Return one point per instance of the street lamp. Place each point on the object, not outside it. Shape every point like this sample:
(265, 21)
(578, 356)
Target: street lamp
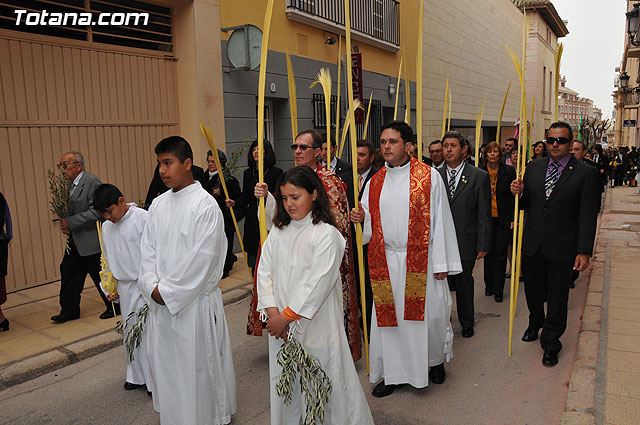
(624, 80)
(632, 24)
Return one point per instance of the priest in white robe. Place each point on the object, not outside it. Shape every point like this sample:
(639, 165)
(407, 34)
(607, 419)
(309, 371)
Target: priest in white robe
(183, 252)
(411, 329)
(121, 245)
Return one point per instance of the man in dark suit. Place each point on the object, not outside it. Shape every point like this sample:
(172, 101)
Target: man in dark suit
(365, 171)
(470, 201)
(561, 196)
(82, 255)
(340, 167)
(602, 163)
(214, 187)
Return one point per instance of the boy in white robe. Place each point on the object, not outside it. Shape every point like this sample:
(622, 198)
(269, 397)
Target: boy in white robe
(299, 281)
(121, 235)
(183, 251)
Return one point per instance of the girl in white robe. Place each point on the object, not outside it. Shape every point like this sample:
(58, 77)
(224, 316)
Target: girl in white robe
(299, 281)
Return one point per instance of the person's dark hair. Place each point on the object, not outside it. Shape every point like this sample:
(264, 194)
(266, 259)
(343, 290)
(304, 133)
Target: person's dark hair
(269, 155)
(584, 146)
(598, 148)
(221, 156)
(512, 139)
(324, 140)
(175, 145)
(566, 126)
(405, 130)
(105, 196)
(544, 148)
(435, 142)
(305, 178)
(455, 135)
(495, 145)
(315, 136)
(366, 144)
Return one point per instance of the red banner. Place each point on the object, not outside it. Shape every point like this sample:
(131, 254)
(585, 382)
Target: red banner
(358, 90)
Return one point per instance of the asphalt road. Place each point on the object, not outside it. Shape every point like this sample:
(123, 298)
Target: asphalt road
(483, 385)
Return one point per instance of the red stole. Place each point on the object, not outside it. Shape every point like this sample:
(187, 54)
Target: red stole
(417, 248)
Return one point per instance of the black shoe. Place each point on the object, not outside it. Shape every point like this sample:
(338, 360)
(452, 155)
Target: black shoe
(467, 332)
(550, 358)
(129, 386)
(572, 285)
(488, 292)
(61, 318)
(224, 274)
(437, 374)
(499, 298)
(382, 390)
(530, 335)
(4, 326)
(108, 314)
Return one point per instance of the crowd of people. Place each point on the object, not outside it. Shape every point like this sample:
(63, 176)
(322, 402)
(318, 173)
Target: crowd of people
(426, 222)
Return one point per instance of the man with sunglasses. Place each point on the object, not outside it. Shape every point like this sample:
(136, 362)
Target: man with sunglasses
(82, 256)
(561, 196)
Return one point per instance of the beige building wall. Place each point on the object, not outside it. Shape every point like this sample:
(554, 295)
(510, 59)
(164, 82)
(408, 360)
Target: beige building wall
(466, 40)
(542, 45)
(198, 50)
(113, 104)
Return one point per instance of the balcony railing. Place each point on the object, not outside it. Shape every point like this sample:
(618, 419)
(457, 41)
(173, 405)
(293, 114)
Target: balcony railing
(377, 19)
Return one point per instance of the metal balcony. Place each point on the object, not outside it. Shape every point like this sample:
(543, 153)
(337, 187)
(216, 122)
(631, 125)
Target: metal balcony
(375, 22)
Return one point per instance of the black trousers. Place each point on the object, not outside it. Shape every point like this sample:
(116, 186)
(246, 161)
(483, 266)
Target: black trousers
(73, 270)
(230, 257)
(463, 283)
(551, 277)
(495, 262)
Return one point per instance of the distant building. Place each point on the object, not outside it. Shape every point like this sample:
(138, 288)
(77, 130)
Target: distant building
(572, 107)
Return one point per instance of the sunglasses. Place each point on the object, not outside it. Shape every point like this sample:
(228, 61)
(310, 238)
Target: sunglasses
(560, 140)
(301, 147)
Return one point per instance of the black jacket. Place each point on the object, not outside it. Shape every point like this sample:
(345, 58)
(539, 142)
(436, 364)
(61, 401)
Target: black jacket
(471, 211)
(565, 224)
(249, 203)
(233, 186)
(504, 197)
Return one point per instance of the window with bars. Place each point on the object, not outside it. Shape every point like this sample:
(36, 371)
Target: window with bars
(154, 34)
(319, 114)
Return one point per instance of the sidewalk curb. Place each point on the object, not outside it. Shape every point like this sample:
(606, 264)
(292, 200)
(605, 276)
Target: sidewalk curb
(583, 406)
(31, 367)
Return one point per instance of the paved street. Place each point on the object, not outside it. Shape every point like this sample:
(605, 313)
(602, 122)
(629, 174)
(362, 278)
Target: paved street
(483, 385)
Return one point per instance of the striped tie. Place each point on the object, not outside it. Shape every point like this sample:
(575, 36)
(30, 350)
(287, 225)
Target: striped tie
(452, 183)
(552, 179)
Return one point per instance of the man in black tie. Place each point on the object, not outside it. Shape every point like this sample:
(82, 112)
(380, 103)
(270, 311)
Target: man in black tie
(469, 193)
(365, 171)
(561, 196)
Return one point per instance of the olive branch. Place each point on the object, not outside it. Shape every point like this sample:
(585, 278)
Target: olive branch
(316, 385)
(133, 335)
(59, 187)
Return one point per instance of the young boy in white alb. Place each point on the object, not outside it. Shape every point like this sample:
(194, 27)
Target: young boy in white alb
(121, 235)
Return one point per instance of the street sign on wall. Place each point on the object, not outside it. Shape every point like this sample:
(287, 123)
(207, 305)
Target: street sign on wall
(629, 123)
(358, 90)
